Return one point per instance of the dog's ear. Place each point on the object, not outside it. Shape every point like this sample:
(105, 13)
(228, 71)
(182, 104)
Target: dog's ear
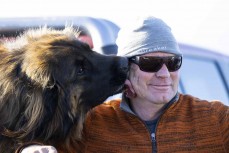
(40, 66)
(38, 73)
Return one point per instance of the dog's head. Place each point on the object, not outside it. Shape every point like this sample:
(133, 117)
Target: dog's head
(53, 79)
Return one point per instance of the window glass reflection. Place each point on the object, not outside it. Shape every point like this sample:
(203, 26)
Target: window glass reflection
(202, 79)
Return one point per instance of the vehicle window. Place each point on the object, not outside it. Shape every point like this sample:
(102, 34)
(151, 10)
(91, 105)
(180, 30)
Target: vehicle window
(202, 79)
(225, 69)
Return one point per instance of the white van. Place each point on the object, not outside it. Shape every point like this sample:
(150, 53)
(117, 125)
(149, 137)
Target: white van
(204, 74)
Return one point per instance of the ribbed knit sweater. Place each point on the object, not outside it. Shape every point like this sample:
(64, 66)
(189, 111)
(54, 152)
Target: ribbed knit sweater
(188, 125)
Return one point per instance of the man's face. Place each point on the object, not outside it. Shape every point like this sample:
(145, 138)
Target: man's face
(156, 87)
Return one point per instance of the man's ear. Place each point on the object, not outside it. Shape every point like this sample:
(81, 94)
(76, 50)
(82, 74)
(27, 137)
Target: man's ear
(129, 91)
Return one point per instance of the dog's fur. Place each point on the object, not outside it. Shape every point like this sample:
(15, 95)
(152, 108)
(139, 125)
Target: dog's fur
(49, 80)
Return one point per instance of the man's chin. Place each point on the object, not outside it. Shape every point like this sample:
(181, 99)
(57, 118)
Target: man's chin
(162, 98)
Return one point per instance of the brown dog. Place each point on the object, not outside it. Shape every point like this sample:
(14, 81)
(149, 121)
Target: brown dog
(49, 80)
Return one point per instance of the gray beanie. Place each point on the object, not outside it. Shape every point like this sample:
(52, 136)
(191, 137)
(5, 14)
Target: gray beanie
(148, 34)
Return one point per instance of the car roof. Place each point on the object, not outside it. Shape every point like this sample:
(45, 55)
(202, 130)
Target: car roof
(102, 32)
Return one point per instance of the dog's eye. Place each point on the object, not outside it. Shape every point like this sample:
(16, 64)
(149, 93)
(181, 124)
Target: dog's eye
(80, 71)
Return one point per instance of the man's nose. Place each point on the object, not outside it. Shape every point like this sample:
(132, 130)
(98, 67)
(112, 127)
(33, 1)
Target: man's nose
(163, 72)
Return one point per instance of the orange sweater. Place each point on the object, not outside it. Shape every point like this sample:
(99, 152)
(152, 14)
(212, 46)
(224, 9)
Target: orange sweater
(188, 125)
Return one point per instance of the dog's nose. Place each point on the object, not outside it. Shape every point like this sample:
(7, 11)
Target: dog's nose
(123, 64)
(120, 70)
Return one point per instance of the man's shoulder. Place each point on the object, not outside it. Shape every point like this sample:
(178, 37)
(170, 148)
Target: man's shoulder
(104, 112)
(108, 106)
(201, 103)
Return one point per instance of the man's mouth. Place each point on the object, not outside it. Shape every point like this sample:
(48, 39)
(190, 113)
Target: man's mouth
(161, 87)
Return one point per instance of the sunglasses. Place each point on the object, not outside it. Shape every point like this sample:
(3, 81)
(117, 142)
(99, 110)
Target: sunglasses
(154, 64)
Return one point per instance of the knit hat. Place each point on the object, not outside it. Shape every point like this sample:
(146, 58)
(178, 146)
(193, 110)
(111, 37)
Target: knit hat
(148, 34)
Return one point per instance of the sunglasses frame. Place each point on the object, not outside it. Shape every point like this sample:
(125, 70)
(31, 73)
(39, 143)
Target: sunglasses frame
(163, 59)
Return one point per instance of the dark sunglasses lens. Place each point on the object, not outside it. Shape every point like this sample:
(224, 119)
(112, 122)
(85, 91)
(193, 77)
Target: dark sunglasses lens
(174, 63)
(154, 64)
(150, 64)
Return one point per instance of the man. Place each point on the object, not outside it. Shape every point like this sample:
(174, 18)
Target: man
(152, 116)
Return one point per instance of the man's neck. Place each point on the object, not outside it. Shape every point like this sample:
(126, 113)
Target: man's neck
(147, 111)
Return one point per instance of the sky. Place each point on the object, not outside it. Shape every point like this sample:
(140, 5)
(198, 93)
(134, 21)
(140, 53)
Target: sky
(202, 23)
